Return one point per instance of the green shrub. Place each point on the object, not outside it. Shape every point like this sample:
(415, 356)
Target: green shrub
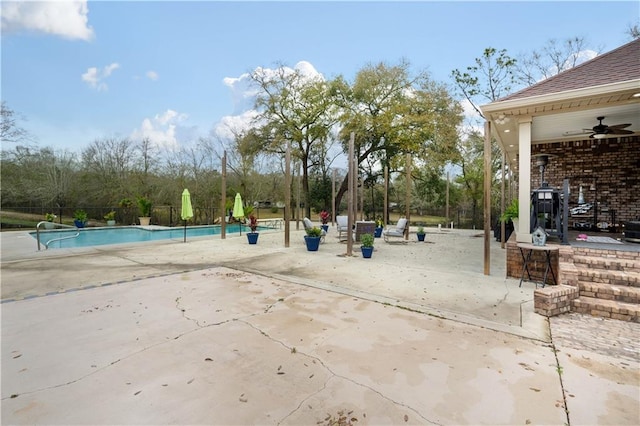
(511, 212)
(367, 240)
(80, 216)
(144, 206)
(314, 232)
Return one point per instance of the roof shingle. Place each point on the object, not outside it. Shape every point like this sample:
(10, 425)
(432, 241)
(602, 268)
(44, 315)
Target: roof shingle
(618, 65)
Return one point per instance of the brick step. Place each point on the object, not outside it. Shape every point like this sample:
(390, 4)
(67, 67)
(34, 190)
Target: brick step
(610, 254)
(627, 294)
(568, 274)
(606, 308)
(614, 277)
(609, 263)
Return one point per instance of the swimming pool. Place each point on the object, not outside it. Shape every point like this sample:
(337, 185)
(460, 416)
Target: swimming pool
(126, 234)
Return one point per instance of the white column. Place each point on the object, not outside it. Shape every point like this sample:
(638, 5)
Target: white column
(524, 180)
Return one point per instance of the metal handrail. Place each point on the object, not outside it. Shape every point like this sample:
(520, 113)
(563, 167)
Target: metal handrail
(60, 225)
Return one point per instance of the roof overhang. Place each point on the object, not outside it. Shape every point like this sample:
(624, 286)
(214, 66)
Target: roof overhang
(564, 115)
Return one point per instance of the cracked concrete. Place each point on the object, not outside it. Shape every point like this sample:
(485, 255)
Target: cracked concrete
(184, 341)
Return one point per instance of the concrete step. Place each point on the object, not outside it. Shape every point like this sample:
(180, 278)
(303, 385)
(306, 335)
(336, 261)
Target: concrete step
(606, 308)
(609, 263)
(627, 294)
(614, 277)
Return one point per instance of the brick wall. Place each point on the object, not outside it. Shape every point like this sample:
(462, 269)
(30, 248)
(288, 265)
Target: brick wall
(613, 165)
(537, 263)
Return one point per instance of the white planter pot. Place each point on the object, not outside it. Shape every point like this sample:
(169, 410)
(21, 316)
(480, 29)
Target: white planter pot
(515, 225)
(111, 223)
(49, 225)
(144, 221)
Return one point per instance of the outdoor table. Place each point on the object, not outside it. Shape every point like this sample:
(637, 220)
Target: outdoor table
(275, 223)
(530, 248)
(364, 227)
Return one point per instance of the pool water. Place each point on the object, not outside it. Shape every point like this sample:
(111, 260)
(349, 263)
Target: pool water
(127, 234)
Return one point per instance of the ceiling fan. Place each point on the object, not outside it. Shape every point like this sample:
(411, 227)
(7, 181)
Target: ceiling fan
(602, 130)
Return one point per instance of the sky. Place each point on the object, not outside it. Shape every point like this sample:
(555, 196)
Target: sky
(174, 71)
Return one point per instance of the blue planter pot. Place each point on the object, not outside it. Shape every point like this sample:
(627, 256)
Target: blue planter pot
(366, 252)
(78, 223)
(421, 237)
(378, 232)
(313, 243)
(252, 237)
(325, 227)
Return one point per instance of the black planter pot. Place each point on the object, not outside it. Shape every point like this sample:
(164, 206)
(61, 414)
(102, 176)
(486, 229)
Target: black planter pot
(420, 237)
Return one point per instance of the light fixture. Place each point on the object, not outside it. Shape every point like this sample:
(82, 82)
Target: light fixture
(502, 119)
(507, 130)
(599, 136)
(636, 95)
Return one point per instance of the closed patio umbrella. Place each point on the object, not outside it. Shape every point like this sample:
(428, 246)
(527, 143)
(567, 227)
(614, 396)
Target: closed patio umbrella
(238, 210)
(187, 210)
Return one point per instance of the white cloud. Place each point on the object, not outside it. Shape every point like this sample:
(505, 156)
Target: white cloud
(230, 125)
(94, 77)
(67, 19)
(162, 130)
(152, 75)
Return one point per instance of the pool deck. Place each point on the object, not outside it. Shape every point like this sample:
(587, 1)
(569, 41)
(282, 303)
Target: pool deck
(218, 331)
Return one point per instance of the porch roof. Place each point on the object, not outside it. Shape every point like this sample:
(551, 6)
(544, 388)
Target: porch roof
(563, 106)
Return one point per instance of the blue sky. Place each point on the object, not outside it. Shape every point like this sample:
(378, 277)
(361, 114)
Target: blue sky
(173, 71)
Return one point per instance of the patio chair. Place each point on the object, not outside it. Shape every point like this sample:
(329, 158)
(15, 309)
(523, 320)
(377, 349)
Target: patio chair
(308, 225)
(342, 224)
(397, 231)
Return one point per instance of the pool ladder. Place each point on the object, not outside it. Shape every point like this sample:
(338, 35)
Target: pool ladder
(57, 225)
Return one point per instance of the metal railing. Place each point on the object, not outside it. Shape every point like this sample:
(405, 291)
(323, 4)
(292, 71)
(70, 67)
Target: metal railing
(55, 225)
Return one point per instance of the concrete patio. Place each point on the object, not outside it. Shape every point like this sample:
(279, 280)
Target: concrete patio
(221, 332)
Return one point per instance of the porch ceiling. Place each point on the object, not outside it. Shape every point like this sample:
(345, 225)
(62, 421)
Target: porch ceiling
(563, 116)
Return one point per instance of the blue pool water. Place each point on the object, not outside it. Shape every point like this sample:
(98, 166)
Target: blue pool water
(127, 234)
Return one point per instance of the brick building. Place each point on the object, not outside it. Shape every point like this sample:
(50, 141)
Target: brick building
(586, 123)
(549, 117)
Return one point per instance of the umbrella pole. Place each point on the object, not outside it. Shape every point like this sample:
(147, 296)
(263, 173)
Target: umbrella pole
(185, 231)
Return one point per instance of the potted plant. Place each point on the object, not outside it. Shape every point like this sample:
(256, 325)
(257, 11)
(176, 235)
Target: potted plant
(366, 247)
(110, 218)
(420, 233)
(49, 217)
(379, 228)
(511, 214)
(252, 236)
(144, 207)
(80, 218)
(312, 239)
(126, 210)
(324, 218)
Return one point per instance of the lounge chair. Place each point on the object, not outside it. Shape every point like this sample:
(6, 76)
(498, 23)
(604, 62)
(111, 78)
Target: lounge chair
(308, 225)
(342, 224)
(397, 231)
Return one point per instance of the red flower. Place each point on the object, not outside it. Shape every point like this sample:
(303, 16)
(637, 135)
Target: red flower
(324, 216)
(253, 223)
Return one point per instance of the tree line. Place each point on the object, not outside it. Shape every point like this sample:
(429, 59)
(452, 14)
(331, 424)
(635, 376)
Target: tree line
(392, 111)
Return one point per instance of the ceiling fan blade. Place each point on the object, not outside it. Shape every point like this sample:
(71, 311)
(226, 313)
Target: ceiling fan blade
(620, 131)
(577, 132)
(619, 126)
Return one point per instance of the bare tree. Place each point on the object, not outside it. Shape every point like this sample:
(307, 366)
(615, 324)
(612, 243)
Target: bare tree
(554, 57)
(492, 77)
(10, 130)
(633, 31)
